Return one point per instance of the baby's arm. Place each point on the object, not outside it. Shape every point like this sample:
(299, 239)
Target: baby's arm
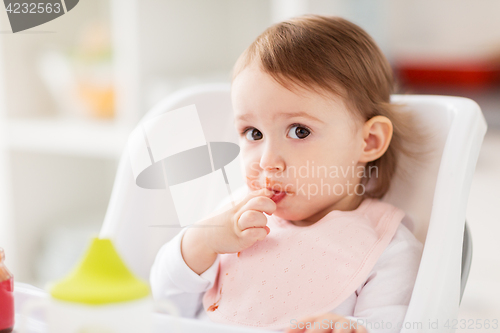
(173, 280)
(187, 266)
(387, 292)
(231, 231)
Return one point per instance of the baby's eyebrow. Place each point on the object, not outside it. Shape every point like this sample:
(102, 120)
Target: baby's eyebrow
(285, 114)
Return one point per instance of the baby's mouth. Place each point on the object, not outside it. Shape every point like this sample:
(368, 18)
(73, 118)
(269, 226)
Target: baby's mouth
(278, 196)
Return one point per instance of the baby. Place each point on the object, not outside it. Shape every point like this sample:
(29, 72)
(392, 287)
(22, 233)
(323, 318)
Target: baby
(310, 247)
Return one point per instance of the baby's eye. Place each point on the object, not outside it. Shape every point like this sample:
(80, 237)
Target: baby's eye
(253, 134)
(300, 132)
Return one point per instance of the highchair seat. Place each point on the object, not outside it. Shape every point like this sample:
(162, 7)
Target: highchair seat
(434, 198)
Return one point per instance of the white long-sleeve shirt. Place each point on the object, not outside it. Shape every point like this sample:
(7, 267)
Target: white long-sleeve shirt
(380, 303)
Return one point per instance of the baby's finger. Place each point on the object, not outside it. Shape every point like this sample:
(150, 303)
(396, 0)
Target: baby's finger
(257, 193)
(251, 219)
(342, 324)
(260, 203)
(361, 329)
(251, 235)
(240, 204)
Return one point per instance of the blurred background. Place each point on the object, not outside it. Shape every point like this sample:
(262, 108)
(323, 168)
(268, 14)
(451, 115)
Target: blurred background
(71, 90)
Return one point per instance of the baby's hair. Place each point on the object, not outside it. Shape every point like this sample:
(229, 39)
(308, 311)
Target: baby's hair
(328, 54)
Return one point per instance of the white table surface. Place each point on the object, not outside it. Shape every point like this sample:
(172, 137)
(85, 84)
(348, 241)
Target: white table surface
(162, 323)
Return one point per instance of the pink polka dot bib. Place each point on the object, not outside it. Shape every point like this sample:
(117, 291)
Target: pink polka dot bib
(299, 271)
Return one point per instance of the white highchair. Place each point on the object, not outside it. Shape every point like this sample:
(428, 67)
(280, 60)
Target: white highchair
(435, 198)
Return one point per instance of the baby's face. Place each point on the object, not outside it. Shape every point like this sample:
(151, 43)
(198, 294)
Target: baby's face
(299, 143)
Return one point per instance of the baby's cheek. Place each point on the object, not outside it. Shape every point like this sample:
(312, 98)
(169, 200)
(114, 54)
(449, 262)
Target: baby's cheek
(252, 183)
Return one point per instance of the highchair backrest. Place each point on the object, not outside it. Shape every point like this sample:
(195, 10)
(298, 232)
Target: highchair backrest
(434, 197)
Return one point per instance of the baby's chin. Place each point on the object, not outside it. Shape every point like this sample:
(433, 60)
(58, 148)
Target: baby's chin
(294, 219)
(289, 215)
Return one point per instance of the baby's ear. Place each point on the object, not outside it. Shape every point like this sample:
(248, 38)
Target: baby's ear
(377, 135)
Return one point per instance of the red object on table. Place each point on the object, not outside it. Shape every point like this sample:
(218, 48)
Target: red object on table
(6, 297)
(465, 73)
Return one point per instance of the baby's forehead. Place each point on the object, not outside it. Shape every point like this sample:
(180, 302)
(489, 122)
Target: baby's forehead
(303, 103)
(324, 116)
(258, 94)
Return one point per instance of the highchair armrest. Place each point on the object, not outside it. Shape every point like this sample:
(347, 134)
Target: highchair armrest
(466, 259)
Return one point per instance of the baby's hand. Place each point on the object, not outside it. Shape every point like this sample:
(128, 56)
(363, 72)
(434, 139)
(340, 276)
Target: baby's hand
(327, 323)
(241, 226)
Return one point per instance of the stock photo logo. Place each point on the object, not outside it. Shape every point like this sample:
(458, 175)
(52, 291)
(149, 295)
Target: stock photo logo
(170, 152)
(26, 14)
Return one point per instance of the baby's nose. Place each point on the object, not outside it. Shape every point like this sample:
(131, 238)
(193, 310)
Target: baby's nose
(272, 164)
(271, 159)
(275, 168)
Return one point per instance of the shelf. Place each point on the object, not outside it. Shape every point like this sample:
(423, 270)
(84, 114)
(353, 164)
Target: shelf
(55, 167)
(91, 138)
